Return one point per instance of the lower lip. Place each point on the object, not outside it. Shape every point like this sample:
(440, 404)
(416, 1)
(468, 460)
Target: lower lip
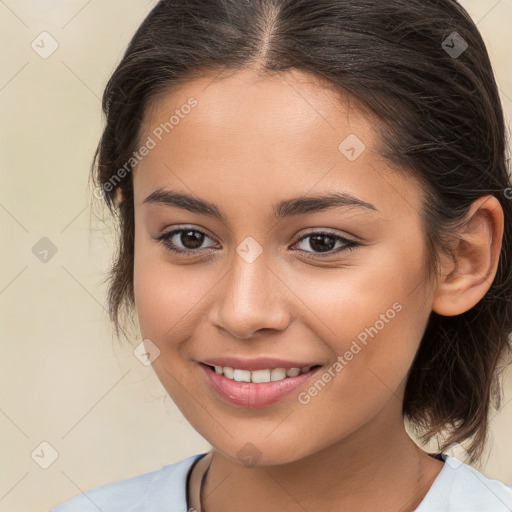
(250, 394)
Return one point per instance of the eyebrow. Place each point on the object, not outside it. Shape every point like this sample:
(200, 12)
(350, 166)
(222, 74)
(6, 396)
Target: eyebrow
(287, 208)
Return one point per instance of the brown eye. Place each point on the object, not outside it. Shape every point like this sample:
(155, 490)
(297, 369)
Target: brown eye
(191, 239)
(184, 240)
(321, 242)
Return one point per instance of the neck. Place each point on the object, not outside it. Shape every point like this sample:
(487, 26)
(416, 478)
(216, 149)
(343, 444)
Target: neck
(378, 467)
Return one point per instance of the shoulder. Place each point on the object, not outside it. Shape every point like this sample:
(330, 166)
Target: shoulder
(161, 489)
(462, 488)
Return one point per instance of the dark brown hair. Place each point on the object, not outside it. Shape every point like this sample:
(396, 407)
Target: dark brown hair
(441, 122)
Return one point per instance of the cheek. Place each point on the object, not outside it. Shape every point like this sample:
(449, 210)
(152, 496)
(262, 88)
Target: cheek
(372, 315)
(372, 355)
(167, 297)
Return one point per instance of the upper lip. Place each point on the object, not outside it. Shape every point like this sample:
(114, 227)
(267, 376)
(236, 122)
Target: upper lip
(260, 363)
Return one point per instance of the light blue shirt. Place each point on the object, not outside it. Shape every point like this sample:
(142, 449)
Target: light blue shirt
(457, 488)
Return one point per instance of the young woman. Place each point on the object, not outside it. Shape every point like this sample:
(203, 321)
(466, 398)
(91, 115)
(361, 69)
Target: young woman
(315, 217)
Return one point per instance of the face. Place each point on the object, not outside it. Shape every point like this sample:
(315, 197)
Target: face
(299, 247)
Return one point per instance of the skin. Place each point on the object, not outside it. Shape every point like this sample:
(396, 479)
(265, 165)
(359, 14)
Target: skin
(255, 139)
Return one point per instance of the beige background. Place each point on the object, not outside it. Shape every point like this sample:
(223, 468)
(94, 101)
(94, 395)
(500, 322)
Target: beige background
(65, 380)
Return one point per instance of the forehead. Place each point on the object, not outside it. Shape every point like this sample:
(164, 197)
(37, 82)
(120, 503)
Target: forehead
(288, 105)
(260, 135)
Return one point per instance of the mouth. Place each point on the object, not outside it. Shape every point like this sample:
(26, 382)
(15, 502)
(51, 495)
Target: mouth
(260, 376)
(256, 388)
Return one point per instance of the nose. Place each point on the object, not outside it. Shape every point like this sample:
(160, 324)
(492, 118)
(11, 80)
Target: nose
(251, 300)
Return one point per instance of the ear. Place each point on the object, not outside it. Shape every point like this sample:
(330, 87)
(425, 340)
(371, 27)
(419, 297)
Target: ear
(118, 197)
(469, 272)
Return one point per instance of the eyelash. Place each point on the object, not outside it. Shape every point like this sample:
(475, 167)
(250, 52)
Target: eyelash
(349, 245)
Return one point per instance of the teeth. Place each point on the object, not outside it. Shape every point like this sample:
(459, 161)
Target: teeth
(228, 372)
(292, 372)
(259, 376)
(242, 375)
(278, 374)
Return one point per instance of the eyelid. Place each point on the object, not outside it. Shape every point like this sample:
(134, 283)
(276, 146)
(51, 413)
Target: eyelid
(185, 227)
(326, 231)
(178, 229)
(348, 243)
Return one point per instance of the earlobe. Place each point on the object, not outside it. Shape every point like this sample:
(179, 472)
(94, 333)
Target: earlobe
(118, 197)
(470, 270)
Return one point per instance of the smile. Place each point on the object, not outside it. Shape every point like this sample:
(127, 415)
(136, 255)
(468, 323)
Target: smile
(255, 388)
(259, 376)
